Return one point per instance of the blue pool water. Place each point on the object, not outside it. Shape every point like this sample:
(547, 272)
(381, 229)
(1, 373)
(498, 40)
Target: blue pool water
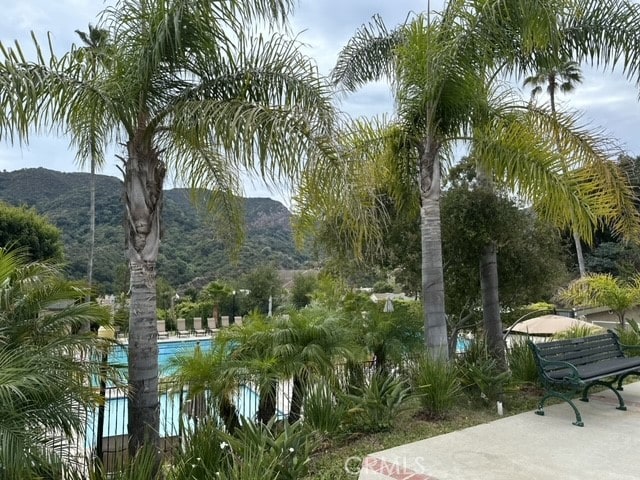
(166, 351)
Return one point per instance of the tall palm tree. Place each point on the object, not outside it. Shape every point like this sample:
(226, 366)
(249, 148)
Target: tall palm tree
(185, 90)
(562, 78)
(95, 41)
(44, 367)
(443, 72)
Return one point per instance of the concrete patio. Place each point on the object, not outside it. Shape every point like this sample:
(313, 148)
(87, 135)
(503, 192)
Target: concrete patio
(527, 446)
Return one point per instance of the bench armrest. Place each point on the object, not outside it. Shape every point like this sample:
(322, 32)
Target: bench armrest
(574, 375)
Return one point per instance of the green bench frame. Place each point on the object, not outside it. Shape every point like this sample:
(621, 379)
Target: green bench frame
(568, 367)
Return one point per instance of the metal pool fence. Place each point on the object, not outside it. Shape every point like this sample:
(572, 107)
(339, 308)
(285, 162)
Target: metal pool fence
(179, 413)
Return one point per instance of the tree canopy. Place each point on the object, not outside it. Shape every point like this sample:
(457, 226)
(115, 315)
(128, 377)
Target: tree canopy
(22, 227)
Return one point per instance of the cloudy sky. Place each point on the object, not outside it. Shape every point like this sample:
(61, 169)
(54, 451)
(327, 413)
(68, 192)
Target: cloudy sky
(607, 100)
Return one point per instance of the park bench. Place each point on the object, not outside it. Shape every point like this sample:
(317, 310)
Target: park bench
(578, 364)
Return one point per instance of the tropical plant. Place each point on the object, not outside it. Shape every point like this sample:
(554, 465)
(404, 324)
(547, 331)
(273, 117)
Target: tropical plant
(185, 89)
(206, 375)
(215, 292)
(521, 363)
(94, 53)
(482, 377)
(578, 331)
(323, 410)
(563, 78)
(630, 336)
(603, 290)
(307, 345)
(374, 406)
(436, 384)
(45, 367)
(446, 74)
(254, 451)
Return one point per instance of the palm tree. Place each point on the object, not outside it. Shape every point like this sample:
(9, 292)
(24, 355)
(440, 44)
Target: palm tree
(44, 367)
(95, 41)
(562, 78)
(252, 360)
(603, 290)
(444, 74)
(215, 292)
(185, 90)
(306, 345)
(206, 375)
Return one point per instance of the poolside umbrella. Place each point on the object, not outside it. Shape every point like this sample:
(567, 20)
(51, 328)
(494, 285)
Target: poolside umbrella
(548, 325)
(388, 306)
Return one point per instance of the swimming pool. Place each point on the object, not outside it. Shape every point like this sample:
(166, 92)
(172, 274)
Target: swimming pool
(173, 399)
(167, 349)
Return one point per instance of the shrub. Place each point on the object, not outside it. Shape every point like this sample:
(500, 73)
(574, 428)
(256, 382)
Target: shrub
(521, 362)
(630, 336)
(322, 410)
(480, 374)
(254, 451)
(578, 331)
(375, 406)
(436, 384)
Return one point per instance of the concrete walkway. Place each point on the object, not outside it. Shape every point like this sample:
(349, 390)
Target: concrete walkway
(527, 446)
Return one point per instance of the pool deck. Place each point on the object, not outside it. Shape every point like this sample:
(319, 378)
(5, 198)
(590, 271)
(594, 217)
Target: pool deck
(173, 337)
(526, 447)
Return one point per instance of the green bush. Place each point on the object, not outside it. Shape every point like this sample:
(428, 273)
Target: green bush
(480, 374)
(375, 406)
(521, 362)
(436, 384)
(254, 451)
(630, 336)
(578, 331)
(323, 412)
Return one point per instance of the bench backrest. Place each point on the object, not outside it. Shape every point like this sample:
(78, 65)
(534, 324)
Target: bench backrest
(579, 351)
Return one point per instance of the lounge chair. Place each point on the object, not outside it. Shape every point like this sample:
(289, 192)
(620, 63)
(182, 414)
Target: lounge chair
(211, 325)
(238, 321)
(162, 332)
(182, 327)
(197, 326)
(224, 321)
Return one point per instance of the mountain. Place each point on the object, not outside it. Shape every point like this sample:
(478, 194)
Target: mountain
(191, 244)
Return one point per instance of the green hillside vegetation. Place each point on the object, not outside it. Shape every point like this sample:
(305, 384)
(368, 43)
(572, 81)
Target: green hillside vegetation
(192, 245)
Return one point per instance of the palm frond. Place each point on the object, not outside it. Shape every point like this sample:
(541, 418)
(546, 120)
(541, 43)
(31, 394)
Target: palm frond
(368, 56)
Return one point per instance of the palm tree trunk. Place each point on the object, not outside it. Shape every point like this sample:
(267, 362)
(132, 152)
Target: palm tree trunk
(229, 414)
(579, 254)
(86, 326)
(491, 304)
(144, 175)
(297, 397)
(435, 320)
(267, 402)
(576, 237)
(92, 222)
(144, 419)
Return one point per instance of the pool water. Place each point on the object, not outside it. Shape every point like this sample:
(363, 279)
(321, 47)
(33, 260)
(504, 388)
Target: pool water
(166, 350)
(174, 415)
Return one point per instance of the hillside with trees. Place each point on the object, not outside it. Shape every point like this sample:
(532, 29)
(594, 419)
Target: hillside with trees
(192, 247)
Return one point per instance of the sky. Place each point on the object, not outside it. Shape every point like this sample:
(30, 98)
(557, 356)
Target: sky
(607, 101)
